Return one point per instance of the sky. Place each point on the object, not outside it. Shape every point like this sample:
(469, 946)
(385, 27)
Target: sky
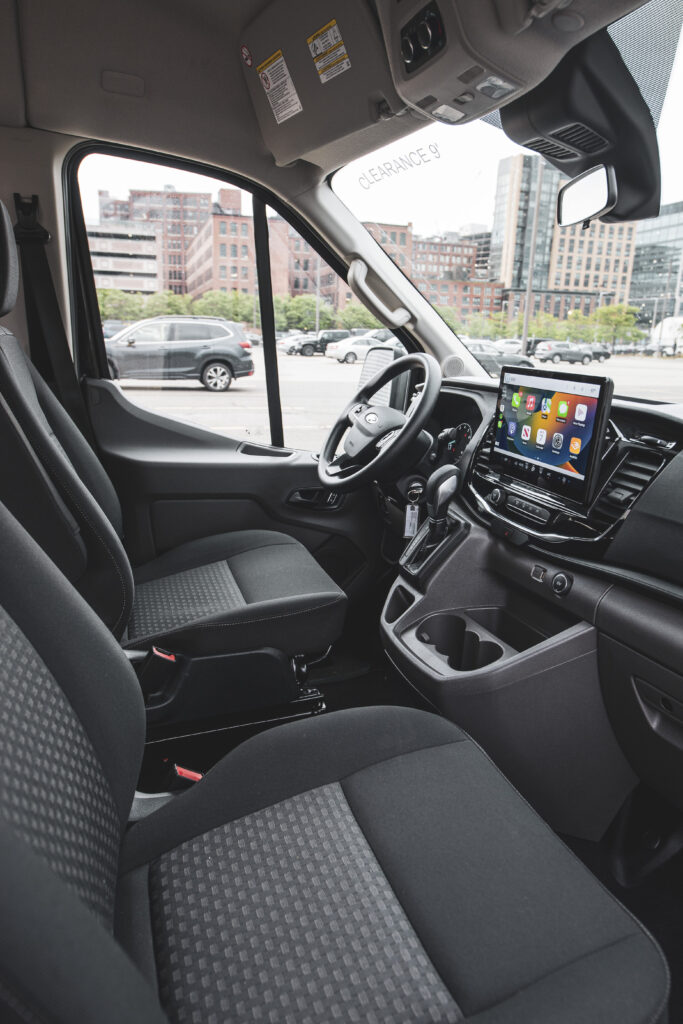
(442, 177)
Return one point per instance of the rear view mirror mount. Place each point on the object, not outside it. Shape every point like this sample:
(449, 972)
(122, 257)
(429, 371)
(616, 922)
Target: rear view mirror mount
(588, 196)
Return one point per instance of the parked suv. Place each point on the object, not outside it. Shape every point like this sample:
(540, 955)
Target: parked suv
(563, 352)
(309, 346)
(204, 348)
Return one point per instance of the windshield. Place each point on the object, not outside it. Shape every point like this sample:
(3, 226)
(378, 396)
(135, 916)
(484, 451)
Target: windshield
(470, 218)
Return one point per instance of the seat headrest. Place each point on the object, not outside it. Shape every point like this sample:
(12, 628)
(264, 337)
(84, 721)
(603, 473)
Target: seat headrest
(9, 263)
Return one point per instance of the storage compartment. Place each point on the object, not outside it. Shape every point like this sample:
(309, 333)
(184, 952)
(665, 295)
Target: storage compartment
(507, 627)
(463, 649)
(399, 602)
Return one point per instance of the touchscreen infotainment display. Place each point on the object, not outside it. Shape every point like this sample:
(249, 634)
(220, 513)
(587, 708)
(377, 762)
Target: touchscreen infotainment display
(549, 429)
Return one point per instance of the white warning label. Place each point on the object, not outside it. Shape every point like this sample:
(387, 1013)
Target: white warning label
(279, 87)
(328, 51)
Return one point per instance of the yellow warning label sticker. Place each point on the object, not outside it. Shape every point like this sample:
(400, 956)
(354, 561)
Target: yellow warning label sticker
(328, 51)
(279, 88)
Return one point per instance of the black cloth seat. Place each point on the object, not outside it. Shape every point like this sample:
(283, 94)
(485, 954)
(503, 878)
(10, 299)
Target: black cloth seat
(232, 592)
(372, 865)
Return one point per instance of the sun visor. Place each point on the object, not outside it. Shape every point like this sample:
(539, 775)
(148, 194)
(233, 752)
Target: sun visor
(317, 73)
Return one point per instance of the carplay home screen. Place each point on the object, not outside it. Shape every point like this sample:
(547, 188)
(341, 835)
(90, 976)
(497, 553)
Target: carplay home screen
(549, 425)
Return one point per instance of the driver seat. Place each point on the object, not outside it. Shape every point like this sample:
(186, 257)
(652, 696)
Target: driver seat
(231, 592)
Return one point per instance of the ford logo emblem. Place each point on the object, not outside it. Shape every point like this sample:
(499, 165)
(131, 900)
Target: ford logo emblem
(371, 417)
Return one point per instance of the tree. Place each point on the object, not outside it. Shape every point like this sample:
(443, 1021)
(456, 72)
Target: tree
(544, 325)
(116, 305)
(301, 314)
(577, 326)
(356, 315)
(448, 315)
(615, 323)
(280, 303)
(215, 303)
(166, 304)
(499, 326)
(478, 326)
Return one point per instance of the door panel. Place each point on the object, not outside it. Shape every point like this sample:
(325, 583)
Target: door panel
(177, 482)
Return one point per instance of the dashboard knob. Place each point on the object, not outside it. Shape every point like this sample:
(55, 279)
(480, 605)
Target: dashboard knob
(561, 583)
(424, 33)
(407, 50)
(497, 497)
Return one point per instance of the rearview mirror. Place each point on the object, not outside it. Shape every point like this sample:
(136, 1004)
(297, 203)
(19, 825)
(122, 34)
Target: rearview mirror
(588, 196)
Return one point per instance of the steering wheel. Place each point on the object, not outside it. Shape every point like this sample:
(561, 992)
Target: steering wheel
(377, 434)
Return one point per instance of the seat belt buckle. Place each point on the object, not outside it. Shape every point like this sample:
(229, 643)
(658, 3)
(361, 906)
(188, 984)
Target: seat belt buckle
(180, 778)
(158, 672)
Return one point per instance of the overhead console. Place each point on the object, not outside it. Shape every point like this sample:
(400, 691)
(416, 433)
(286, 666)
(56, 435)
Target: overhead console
(457, 60)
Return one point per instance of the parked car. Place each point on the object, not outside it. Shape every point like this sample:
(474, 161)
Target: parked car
(112, 327)
(600, 352)
(509, 346)
(563, 352)
(352, 349)
(317, 344)
(488, 354)
(204, 348)
(288, 342)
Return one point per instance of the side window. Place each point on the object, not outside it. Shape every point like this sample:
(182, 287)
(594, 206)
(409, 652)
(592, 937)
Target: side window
(161, 251)
(314, 311)
(174, 264)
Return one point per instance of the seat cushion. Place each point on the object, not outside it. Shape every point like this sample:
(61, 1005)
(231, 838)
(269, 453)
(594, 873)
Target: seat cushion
(390, 873)
(236, 592)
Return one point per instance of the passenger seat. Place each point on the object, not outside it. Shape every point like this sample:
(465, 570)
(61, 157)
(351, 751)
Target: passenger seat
(370, 865)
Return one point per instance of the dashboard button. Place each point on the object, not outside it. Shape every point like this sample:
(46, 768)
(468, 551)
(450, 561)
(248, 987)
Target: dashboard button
(497, 497)
(538, 573)
(561, 583)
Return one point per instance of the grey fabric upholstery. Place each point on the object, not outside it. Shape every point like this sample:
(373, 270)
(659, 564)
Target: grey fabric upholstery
(186, 599)
(237, 591)
(289, 877)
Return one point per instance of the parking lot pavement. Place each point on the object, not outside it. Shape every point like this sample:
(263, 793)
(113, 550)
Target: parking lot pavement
(315, 390)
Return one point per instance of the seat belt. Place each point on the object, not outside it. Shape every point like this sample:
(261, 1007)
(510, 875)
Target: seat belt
(48, 343)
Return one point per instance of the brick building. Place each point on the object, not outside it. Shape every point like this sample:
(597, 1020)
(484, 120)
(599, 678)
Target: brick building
(178, 217)
(221, 256)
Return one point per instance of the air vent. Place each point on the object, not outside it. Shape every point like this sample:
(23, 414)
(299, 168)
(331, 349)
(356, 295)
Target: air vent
(551, 149)
(623, 488)
(482, 460)
(580, 137)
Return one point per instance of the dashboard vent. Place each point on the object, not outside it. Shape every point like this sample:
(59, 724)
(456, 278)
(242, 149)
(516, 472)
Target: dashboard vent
(581, 138)
(632, 477)
(482, 460)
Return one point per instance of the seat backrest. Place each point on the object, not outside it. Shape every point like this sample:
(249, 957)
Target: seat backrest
(74, 470)
(71, 739)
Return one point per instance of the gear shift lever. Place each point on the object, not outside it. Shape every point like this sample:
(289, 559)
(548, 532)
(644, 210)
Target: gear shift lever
(442, 487)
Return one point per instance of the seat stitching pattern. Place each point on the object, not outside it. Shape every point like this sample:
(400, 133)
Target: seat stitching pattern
(286, 914)
(172, 602)
(243, 622)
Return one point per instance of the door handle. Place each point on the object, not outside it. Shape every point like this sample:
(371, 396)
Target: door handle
(318, 498)
(357, 279)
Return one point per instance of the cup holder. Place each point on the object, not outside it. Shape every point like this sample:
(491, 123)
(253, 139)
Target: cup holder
(463, 649)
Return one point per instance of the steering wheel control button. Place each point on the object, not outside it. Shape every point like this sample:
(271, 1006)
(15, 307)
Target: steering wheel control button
(538, 573)
(561, 584)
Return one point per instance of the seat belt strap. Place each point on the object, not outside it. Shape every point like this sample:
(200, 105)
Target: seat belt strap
(48, 343)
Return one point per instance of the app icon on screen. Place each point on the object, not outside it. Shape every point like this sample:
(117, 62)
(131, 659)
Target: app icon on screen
(575, 445)
(580, 413)
(546, 405)
(512, 428)
(562, 410)
(541, 436)
(558, 440)
(526, 433)
(516, 399)
(530, 403)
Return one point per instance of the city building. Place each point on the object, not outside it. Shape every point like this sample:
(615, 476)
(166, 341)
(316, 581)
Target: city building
(446, 257)
(657, 277)
(125, 256)
(221, 255)
(397, 242)
(178, 216)
(556, 302)
(482, 240)
(513, 217)
(465, 298)
(598, 259)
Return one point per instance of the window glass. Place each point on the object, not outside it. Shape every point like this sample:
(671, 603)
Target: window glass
(154, 237)
(319, 362)
(457, 208)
